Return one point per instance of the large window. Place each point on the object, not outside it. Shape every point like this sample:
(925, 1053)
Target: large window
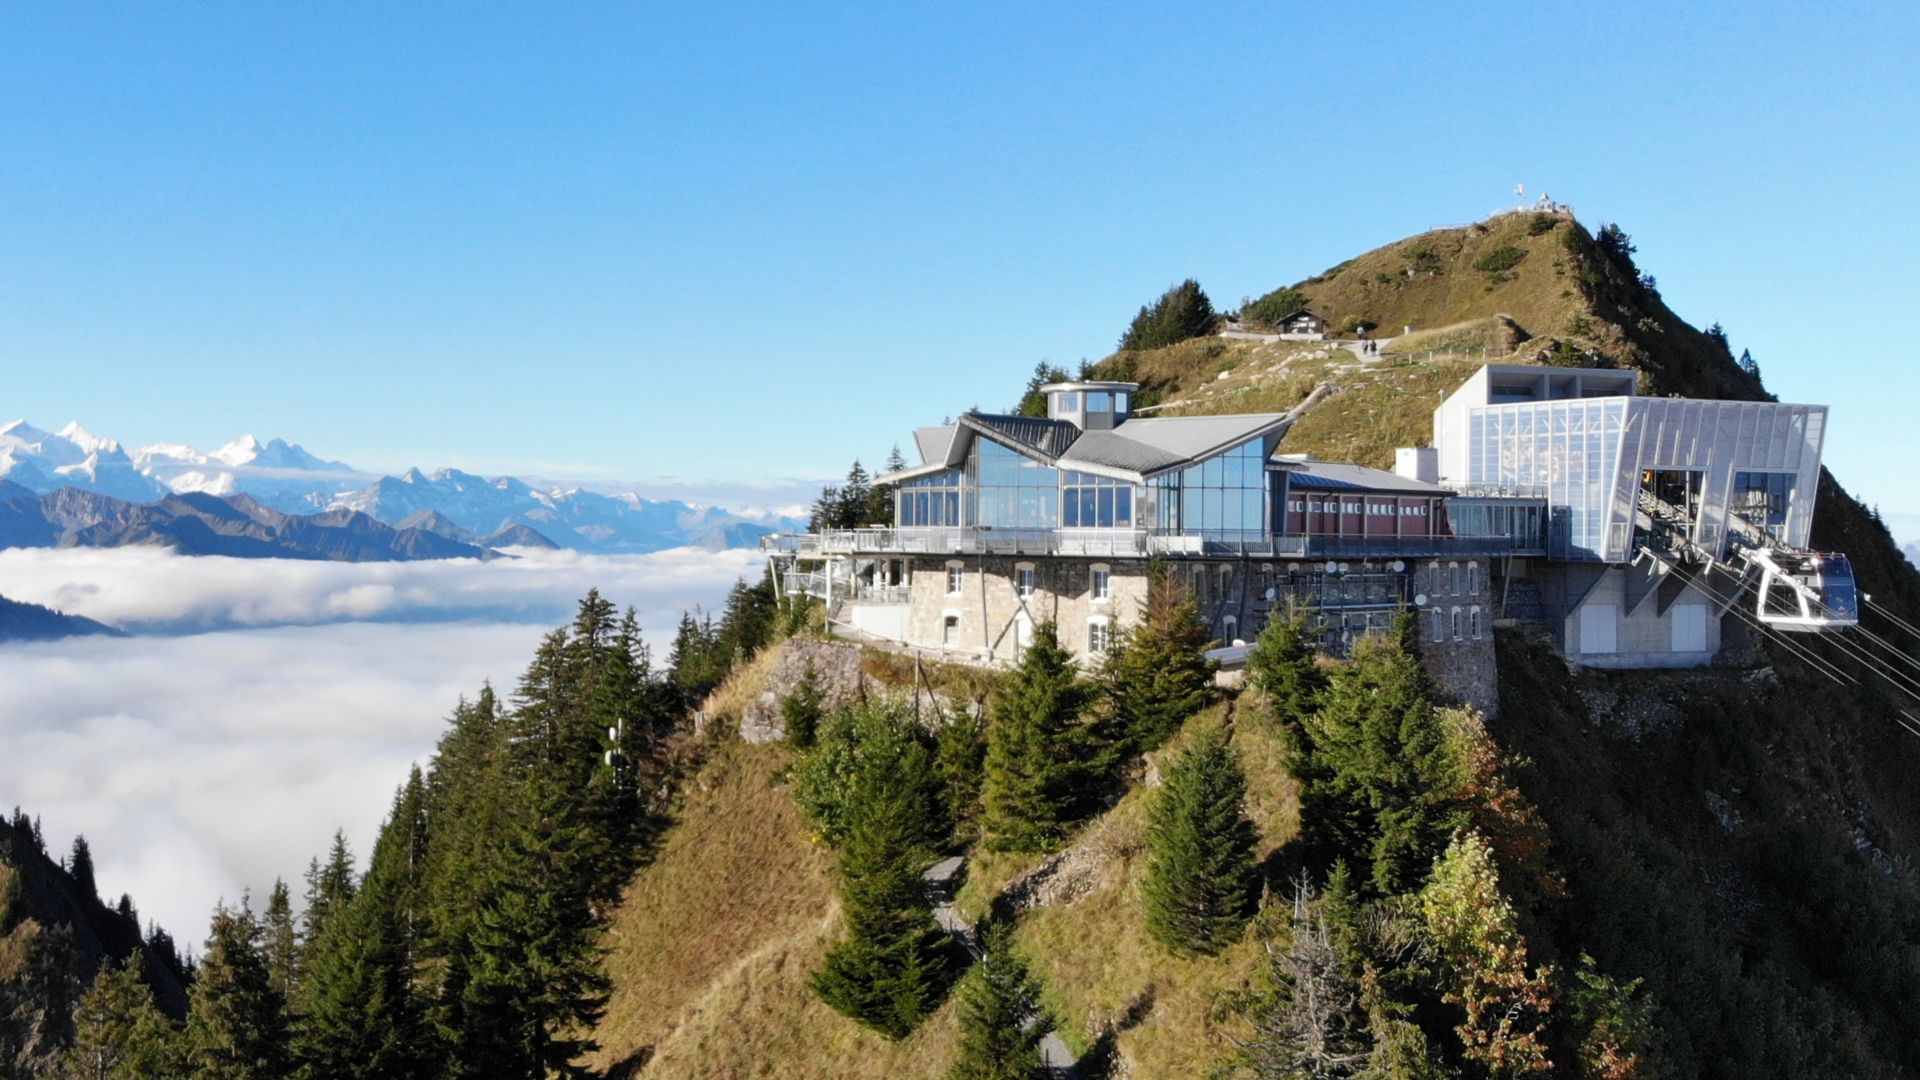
(930, 500)
(1763, 498)
(1095, 502)
(1221, 498)
(1099, 636)
(1007, 490)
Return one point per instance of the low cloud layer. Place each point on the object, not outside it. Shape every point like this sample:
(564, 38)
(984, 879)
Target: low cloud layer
(203, 762)
(155, 591)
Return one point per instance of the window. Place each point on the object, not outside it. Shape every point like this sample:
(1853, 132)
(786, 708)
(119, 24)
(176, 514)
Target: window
(1102, 584)
(1226, 582)
(1023, 580)
(1437, 621)
(1095, 502)
(1473, 577)
(1473, 623)
(950, 631)
(1455, 623)
(1099, 636)
(1099, 401)
(1763, 499)
(1453, 579)
(1230, 629)
(1008, 490)
(956, 578)
(929, 500)
(1069, 402)
(1221, 498)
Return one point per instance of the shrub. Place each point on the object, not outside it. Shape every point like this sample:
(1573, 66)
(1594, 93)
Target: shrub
(1274, 306)
(1499, 259)
(1542, 223)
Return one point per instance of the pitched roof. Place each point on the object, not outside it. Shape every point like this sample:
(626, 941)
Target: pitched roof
(1115, 451)
(1309, 473)
(1191, 437)
(933, 442)
(1049, 438)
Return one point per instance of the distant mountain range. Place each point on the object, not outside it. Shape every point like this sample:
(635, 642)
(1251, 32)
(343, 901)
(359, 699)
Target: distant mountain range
(30, 622)
(258, 480)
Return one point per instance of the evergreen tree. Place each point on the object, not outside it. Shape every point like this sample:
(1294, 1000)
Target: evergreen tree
(1000, 1021)
(1201, 883)
(119, 1032)
(1614, 240)
(80, 868)
(691, 663)
(1379, 777)
(825, 513)
(1033, 403)
(1036, 767)
(960, 758)
(892, 967)
(856, 740)
(280, 941)
(1309, 1026)
(746, 624)
(856, 497)
(1158, 674)
(896, 461)
(531, 985)
(1282, 666)
(329, 887)
(1182, 312)
(361, 1016)
(1748, 364)
(236, 1024)
(802, 710)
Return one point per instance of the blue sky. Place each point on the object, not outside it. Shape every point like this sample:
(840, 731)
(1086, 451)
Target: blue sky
(751, 243)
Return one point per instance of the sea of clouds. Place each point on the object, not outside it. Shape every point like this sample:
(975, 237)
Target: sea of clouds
(257, 705)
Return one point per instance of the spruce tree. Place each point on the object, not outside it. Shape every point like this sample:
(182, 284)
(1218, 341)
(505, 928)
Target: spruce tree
(361, 1016)
(960, 758)
(1036, 767)
(280, 941)
(1201, 883)
(236, 1023)
(1000, 1020)
(329, 887)
(119, 1032)
(80, 868)
(802, 710)
(1158, 674)
(1381, 779)
(1281, 665)
(1182, 312)
(891, 969)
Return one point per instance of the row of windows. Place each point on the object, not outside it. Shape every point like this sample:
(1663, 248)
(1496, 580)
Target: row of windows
(1095, 502)
(1447, 580)
(1457, 624)
(1026, 580)
(1377, 509)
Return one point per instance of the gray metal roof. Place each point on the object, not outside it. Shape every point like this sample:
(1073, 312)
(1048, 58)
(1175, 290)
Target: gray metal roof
(1345, 476)
(1048, 437)
(933, 442)
(1190, 437)
(1115, 451)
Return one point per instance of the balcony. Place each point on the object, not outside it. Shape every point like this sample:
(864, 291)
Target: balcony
(1123, 543)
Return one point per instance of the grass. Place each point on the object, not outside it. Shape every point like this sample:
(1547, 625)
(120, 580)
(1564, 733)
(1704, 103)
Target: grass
(714, 942)
(1377, 411)
(1099, 969)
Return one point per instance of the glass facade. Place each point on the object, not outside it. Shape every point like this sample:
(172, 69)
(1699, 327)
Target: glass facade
(930, 500)
(1008, 490)
(1224, 497)
(1567, 451)
(1762, 498)
(1095, 502)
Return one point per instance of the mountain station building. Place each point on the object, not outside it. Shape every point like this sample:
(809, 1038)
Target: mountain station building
(1550, 495)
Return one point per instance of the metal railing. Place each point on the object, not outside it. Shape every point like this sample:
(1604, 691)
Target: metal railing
(1124, 543)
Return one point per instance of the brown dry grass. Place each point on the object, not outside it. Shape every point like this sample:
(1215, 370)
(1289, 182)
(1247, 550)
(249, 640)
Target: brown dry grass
(715, 940)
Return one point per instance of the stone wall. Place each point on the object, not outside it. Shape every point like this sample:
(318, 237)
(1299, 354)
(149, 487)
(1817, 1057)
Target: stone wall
(837, 667)
(990, 613)
(1455, 630)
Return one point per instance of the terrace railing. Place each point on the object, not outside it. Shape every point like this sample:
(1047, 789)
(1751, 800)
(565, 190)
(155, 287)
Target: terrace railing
(1123, 543)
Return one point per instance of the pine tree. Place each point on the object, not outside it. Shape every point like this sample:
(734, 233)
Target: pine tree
(119, 1032)
(1000, 1021)
(1281, 665)
(531, 986)
(892, 967)
(1033, 403)
(1036, 768)
(236, 1024)
(1201, 882)
(1158, 674)
(280, 941)
(329, 887)
(361, 1017)
(1380, 779)
(960, 758)
(80, 868)
(1182, 312)
(802, 710)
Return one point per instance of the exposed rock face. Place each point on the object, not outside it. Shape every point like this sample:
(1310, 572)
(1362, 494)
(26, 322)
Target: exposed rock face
(837, 667)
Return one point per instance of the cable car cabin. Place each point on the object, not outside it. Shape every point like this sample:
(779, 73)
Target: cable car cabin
(1806, 592)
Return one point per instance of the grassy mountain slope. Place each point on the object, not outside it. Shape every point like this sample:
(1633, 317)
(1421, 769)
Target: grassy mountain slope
(716, 939)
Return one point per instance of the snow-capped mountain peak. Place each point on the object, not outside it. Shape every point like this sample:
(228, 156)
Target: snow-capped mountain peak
(88, 441)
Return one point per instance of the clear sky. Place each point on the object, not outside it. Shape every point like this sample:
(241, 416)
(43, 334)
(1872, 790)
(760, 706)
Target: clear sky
(632, 242)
